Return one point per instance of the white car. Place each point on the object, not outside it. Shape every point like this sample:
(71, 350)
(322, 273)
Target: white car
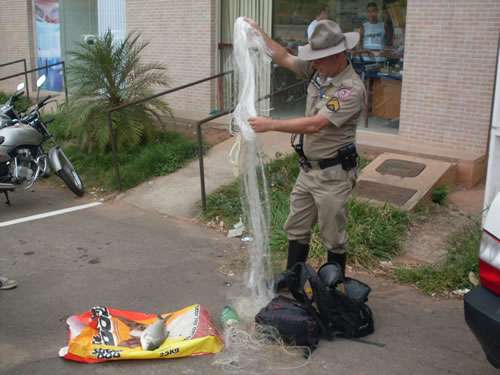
(482, 304)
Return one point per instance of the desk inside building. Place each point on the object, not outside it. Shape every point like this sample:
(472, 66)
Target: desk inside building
(385, 97)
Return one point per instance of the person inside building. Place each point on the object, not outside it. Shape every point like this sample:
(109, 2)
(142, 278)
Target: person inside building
(376, 35)
(324, 139)
(321, 15)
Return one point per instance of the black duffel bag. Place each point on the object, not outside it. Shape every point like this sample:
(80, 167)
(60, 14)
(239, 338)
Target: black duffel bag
(294, 321)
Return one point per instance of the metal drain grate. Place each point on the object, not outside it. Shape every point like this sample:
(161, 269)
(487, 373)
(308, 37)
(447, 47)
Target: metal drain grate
(401, 168)
(395, 195)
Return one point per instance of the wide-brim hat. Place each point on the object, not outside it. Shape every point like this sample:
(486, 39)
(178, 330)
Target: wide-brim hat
(327, 39)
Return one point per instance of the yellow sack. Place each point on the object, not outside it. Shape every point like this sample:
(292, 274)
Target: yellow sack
(106, 334)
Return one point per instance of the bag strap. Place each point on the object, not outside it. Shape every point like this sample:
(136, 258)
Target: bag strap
(299, 147)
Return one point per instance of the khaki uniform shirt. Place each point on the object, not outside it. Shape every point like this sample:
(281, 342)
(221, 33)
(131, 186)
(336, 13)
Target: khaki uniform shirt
(341, 99)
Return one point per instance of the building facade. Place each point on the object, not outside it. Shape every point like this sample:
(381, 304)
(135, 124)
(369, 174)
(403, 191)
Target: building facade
(429, 66)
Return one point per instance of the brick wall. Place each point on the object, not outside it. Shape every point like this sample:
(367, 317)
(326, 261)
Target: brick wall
(16, 39)
(182, 35)
(450, 60)
(450, 57)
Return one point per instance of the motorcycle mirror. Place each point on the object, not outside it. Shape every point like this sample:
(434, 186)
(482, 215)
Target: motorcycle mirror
(41, 81)
(20, 87)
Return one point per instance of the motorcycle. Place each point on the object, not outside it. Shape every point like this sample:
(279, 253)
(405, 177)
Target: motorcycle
(23, 159)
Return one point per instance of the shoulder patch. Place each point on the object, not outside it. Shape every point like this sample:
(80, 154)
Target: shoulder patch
(343, 93)
(333, 105)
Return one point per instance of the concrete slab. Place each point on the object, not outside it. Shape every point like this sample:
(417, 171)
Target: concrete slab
(470, 165)
(178, 194)
(403, 180)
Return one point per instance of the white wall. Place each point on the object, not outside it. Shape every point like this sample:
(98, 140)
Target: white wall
(493, 174)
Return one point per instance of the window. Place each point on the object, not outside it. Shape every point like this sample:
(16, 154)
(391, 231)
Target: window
(378, 58)
(47, 23)
(62, 24)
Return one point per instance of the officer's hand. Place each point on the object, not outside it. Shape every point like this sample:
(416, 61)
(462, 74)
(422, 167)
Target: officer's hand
(261, 124)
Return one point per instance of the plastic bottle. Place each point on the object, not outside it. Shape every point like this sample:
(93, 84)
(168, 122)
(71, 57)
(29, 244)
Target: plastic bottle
(229, 316)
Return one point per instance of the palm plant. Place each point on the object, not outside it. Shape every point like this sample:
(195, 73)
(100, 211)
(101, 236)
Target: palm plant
(104, 75)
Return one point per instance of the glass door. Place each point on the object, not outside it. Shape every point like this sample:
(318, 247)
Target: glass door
(78, 20)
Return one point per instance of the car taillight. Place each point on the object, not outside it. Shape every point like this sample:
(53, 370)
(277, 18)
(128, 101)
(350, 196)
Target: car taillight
(489, 262)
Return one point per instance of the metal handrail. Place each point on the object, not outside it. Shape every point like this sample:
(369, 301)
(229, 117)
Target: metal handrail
(25, 73)
(143, 100)
(12, 62)
(45, 67)
(216, 116)
(198, 124)
(169, 91)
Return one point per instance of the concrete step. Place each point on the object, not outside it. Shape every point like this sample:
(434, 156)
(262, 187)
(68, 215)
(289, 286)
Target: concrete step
(403, 180)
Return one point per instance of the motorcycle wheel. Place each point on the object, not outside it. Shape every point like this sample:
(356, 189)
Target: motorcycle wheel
(70, 177)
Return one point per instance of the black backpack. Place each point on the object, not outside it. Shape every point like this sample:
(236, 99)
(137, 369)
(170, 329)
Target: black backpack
(341, 302)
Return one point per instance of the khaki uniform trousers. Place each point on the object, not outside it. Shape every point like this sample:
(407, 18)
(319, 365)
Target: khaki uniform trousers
(320, 196)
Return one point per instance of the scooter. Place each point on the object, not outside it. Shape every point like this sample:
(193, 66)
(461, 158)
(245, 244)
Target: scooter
(22, 156)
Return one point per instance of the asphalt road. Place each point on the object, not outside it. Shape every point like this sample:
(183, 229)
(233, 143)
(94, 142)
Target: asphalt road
(120, 256)
(43, 197)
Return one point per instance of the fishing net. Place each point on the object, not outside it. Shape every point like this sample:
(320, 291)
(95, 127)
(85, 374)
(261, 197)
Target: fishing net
(258, 349)
(250, 348)
(250, 57)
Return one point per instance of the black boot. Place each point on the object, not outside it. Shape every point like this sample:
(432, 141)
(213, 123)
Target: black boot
(340, 259)
(297, 252)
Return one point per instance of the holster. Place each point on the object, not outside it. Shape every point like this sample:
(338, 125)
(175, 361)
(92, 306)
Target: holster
(299, 149)
(348, 157)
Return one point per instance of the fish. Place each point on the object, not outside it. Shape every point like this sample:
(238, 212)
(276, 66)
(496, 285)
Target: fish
(154, 335)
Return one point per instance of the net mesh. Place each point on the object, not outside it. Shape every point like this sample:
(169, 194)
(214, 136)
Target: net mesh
(250, 348)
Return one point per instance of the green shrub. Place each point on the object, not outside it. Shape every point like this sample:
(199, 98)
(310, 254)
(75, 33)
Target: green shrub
(375, 233)
(225, 203)
(20, 105)
(440, 195)
(59, 127)
(107, 74)
(167, 154)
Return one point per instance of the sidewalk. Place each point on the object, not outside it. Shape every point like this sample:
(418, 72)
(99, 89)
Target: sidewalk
(178, 194)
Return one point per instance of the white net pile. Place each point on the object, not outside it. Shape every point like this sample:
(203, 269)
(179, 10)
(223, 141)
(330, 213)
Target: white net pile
(258, 350)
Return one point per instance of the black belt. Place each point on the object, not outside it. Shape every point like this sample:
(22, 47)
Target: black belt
(326, 163)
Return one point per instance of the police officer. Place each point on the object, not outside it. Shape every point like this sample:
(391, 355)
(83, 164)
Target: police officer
(324, 139)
